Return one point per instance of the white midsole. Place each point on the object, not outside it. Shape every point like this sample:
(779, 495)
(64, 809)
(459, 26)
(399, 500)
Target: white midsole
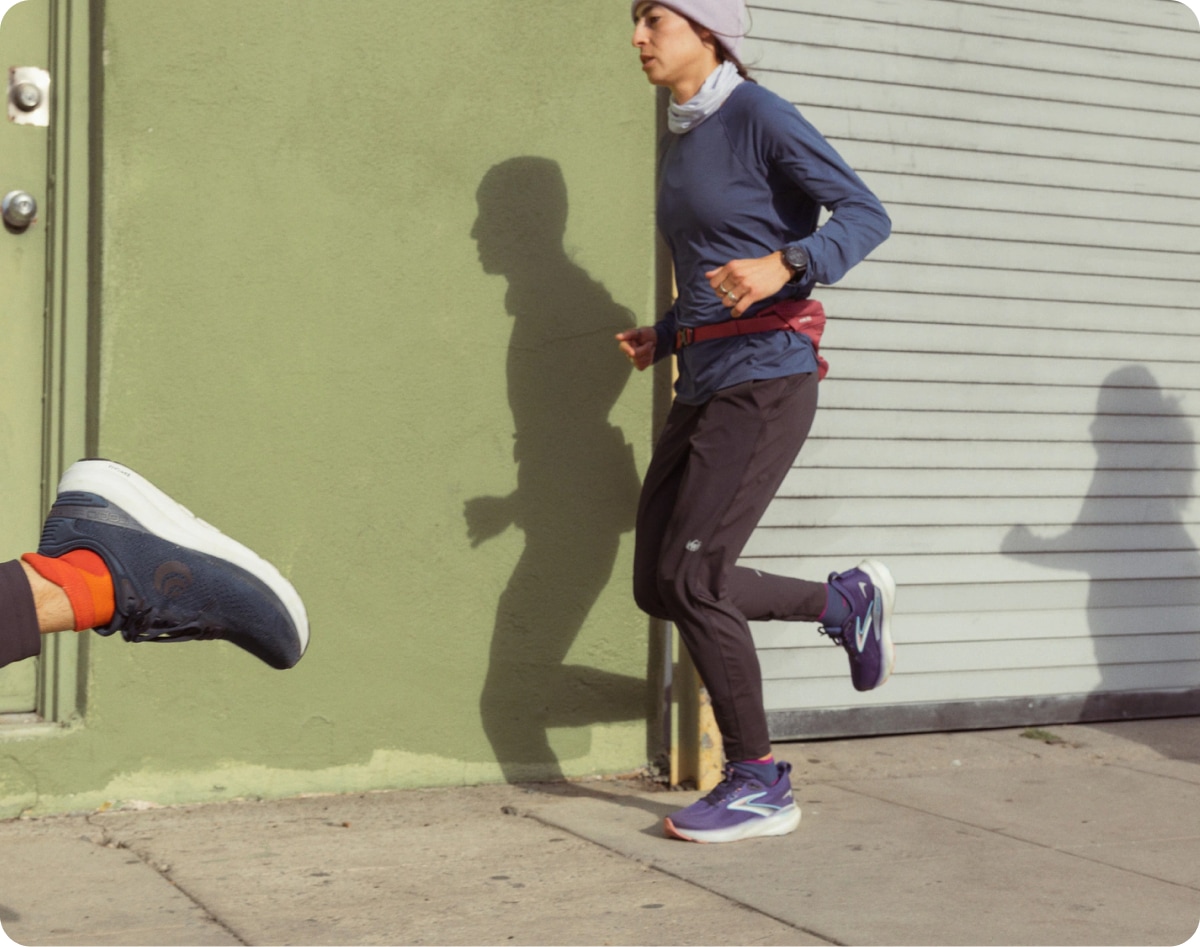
(173, 522)
(782, 822)
(881, 578)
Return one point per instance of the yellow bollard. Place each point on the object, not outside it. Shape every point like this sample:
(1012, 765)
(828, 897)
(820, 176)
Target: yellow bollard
(696, 750)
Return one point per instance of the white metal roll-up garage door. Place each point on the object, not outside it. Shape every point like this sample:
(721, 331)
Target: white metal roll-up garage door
(1024, 350)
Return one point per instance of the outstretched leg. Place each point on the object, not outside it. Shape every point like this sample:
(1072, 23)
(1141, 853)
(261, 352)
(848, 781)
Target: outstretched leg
(118, 554)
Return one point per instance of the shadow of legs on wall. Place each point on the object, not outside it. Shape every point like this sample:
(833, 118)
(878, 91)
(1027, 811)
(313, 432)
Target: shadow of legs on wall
(577, 485)
(1130, 538)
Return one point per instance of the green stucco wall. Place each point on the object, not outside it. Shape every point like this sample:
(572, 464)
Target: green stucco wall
(339, 317)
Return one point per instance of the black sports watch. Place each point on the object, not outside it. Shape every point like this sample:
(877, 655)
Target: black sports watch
(795, 258)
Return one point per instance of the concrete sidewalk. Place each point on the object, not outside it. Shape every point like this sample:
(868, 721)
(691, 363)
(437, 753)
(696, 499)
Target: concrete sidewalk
(976, 838)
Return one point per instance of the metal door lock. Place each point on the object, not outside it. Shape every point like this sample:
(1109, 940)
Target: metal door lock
(29, 96)
(26, 96)
(19, 210)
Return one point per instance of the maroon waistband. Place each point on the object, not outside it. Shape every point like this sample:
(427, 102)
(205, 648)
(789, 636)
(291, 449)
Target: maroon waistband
(806, 316)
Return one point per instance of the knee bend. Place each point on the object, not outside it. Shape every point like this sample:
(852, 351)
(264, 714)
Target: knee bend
(647, 595)
(667, 596)
(674, 594)
(683, 594)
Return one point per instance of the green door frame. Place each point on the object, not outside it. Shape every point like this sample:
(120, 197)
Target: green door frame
(73, 244)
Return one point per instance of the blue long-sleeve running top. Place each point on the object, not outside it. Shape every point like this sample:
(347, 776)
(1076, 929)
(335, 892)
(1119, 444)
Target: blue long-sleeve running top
(748, 181)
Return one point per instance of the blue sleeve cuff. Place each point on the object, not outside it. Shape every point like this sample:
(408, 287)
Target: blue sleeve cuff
(665, 330)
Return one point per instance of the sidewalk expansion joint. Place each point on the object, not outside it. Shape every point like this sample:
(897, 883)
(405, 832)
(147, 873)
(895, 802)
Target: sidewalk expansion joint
(108, 840)
(991, 830)
(653, 866)
(1132, 767)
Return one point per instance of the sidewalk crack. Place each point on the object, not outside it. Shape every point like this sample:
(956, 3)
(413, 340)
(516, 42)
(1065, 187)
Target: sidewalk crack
(653, 866)
(108, 839)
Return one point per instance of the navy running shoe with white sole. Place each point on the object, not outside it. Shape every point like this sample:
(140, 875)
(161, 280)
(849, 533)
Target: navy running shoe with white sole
(866, 634)
(175, 577)
(741, 807)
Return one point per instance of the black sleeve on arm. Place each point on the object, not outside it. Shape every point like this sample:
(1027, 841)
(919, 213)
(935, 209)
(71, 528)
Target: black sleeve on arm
(19, 637)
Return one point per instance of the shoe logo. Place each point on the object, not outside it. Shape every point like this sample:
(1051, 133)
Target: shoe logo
(862, 630)
(862, 589)
(694, 545)
(747, 804)
(110, 515)
(172, 579)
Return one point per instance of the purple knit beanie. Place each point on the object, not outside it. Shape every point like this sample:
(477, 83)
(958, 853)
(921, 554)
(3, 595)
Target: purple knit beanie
(726, 18)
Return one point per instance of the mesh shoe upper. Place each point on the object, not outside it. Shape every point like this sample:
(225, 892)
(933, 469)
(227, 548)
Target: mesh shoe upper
(167, 592)
(741, 806)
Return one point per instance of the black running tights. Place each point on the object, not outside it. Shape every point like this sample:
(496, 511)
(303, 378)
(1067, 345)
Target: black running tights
(19, 638)
(714, 471)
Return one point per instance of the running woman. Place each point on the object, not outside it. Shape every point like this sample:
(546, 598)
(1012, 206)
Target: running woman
(742, 179)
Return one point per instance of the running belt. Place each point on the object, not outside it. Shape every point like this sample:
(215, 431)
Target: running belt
(806, 316)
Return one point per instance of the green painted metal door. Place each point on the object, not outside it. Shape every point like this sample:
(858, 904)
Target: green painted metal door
(24, 42)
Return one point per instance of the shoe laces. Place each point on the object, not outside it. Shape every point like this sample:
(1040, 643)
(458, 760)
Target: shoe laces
(731, 784)
(155, 624)
(837, 636)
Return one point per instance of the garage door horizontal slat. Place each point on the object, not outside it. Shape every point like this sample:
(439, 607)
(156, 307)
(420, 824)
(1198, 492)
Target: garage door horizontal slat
(951, 540)
(1028, 627)
(1025, 349)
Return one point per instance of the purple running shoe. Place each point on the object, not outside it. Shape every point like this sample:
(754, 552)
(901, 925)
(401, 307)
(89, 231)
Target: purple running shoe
(867, 633)
(175, 577)
(740, 807)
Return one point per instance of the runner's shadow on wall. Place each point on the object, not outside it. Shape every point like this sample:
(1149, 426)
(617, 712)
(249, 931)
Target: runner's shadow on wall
(577, 485)
(1131, 539)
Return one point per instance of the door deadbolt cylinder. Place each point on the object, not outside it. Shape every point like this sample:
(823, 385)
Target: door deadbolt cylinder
(26, 96)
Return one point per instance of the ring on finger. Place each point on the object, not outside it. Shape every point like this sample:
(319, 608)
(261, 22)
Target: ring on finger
(732, 298)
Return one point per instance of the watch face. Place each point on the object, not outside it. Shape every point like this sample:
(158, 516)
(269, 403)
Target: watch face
(795, 258)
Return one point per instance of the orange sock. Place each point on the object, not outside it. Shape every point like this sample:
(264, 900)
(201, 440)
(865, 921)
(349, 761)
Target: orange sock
(84, 577)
